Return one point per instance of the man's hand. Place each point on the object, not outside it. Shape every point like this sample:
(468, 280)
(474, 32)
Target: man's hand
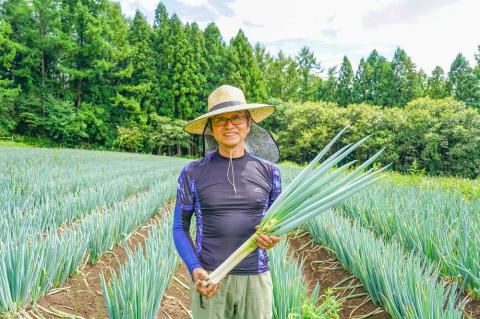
(200, 274)
(266, 241)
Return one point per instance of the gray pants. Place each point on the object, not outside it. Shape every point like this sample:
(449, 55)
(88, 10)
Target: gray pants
(239, 297)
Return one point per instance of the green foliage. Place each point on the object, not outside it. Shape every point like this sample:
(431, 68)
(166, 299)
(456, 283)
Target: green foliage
(437, 87)
(216, 56)
(463, 82)
(166, 134)
(243, 70)
(408, 83)
(343, 94)
(72, 72)
(130, 139)
(327, 89)
(441, 136)
(143, 77)
(8, 90)
(374, 81)
(307, 65)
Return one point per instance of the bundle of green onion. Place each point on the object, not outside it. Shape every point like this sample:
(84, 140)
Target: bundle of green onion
(316, 189)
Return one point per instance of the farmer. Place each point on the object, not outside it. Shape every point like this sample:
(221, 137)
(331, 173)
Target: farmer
(228, 191)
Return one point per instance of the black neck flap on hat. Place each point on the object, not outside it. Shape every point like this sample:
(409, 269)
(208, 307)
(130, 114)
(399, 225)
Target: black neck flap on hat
(259, 142)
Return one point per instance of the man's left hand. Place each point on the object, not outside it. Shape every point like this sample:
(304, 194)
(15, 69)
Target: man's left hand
(266, 241)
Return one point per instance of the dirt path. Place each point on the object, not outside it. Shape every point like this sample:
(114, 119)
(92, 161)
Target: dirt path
(176, 300)
(322, 267)
(82, 295)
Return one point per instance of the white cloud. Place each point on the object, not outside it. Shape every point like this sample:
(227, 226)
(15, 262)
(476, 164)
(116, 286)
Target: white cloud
(431, 31)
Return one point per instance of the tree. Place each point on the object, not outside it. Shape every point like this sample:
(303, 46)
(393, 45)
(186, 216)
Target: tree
(140, 37)
(264, 59)
(243, 70)
(275, 80)
(164, 58)
(327, 88)
(307, 64)
(8, 90)
(461, 81)
(343, 94)
(437, 87)
(199, 91)
(373, 82)
(407, 83)
(168, 134)
(216, 57)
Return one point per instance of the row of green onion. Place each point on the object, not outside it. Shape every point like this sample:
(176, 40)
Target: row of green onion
(439, 225)
(404, 284)
(30, 268)
(136, 291)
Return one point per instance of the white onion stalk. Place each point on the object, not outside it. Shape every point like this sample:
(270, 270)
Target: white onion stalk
(315, 190)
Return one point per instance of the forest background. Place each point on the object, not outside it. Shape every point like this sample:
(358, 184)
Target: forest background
(78, 73)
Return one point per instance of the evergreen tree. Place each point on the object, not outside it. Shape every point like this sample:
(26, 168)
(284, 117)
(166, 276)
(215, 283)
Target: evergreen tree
(343, 94)
(164, 50)
(8, 90)
(407, 82)
(461, 81)
(140, 37)
(18, 15)
(361, 82)
(216, 50)
(373, 81)
(327, 88)
(275, 80)
(117, 85)
(183, 62)
(243, 70)
(199, 91)
(307, 64)
(437, 87)
(292, 81)
(264, 59)
(181, 69)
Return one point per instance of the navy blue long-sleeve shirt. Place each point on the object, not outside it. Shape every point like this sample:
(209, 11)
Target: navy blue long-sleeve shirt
(225, 219)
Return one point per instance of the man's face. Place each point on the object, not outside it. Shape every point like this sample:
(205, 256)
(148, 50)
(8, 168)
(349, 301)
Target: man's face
(230, 129)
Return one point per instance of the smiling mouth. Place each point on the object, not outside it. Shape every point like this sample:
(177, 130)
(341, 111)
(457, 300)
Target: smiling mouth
(230, 134)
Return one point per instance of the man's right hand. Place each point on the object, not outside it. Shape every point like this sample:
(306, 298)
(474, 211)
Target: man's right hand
(199, 275)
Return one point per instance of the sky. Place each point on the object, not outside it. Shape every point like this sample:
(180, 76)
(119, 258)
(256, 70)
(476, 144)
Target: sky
(432, 32)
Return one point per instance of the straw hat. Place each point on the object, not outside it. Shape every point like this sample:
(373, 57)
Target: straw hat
(225, 99)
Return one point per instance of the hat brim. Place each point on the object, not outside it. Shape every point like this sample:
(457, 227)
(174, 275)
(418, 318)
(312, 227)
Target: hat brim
(258, 113)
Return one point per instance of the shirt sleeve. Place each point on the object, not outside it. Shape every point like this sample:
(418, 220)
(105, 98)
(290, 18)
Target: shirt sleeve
(276, 185)
(182, 239)
(185, 193)
(184, 210)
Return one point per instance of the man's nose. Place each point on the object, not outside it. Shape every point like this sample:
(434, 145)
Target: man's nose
(229, 123)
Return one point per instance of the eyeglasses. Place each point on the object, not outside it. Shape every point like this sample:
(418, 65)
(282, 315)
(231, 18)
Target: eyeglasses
(222, 121)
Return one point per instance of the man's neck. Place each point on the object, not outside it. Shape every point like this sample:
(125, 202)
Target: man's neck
(237, 151)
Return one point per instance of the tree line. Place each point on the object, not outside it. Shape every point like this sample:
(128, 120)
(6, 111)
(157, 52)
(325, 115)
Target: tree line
(433, 136)
(78, 73)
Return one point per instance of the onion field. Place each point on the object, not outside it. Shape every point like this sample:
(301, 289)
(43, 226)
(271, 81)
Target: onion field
(412, 248)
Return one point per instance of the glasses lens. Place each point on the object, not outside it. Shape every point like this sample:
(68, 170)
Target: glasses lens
(221, 121)
(237, 120)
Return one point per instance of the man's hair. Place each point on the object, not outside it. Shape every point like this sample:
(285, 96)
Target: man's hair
(248, 116)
